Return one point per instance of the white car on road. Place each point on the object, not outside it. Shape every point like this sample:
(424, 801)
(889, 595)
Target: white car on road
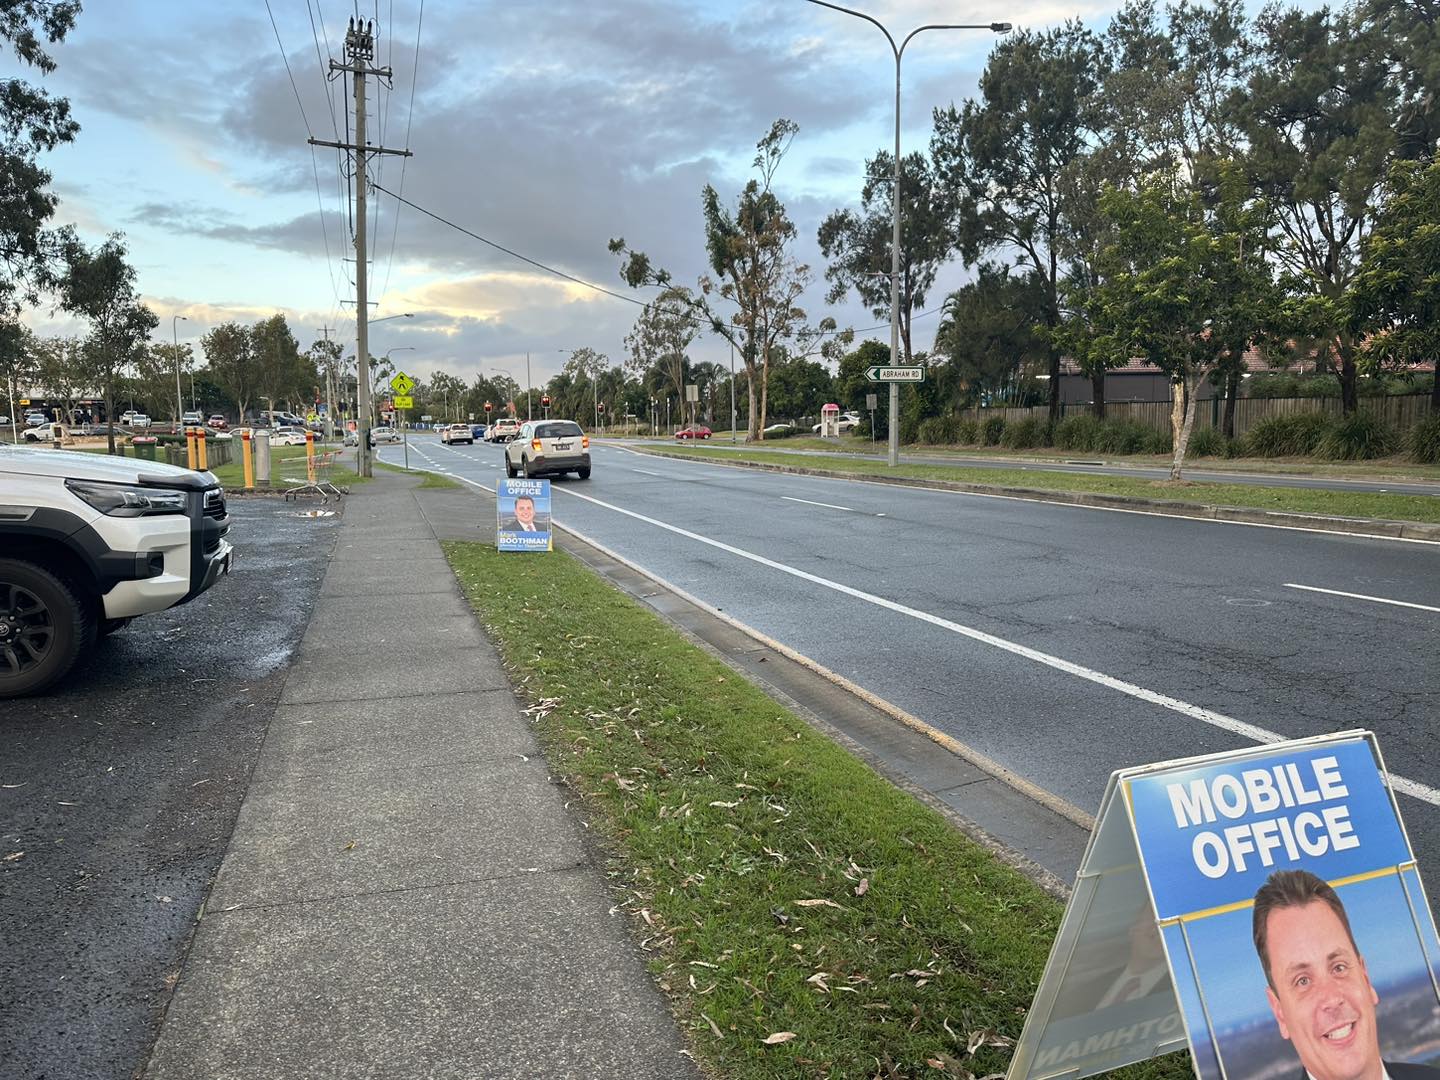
(454, 433)
(288, 436)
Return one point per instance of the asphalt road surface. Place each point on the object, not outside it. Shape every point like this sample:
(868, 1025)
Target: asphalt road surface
(1099, 468)
(1065, 642)
(120, 790)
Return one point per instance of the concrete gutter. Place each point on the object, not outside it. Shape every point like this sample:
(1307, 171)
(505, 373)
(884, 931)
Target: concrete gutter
(1372, 527)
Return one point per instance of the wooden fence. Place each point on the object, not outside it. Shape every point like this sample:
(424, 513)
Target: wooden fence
(1402, 411)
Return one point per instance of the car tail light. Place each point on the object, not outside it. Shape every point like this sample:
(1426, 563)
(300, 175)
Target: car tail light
(584, 442)
(535, 445)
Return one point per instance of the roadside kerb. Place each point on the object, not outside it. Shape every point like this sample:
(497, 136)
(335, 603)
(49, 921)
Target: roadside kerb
(1395, 530)
(1033, 830)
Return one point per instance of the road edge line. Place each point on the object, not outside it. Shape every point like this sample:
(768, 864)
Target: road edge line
(1223, 515)
(986, 764)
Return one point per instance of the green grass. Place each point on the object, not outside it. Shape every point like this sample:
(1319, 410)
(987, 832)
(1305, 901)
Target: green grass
(286, 462)
(729, 819)
(1361, 504)
(432, 481)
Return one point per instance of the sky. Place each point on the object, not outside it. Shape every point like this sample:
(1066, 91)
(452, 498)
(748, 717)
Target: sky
(547, 128)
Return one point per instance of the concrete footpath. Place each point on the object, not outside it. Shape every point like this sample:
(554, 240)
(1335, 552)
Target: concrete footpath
(406, 893)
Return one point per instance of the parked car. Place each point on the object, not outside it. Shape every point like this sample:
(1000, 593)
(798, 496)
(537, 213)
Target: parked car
(98, 540)
(288, 436)
(693, 431)
(384, 435)
(548, 448)
(503, 430)
(44, 433)
(35, 418)
(352, 438)
(455, 433)
(139, 420)
(847, 422)
(4, 419)
(218, 422)
(191, 419)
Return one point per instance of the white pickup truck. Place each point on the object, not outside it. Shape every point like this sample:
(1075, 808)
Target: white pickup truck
(88, 542)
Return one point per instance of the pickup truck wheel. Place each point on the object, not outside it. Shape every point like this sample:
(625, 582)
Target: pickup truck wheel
(43, 628)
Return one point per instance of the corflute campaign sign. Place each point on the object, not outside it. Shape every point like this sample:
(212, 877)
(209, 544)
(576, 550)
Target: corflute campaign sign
(1262, 907)
(522, 509)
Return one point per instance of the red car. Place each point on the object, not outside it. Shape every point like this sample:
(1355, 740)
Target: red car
(693, 431)
(218, 422)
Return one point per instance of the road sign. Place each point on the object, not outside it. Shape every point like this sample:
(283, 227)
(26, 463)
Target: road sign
(871, 403)
(692, 392)
(895, 374)
(402, 384)
(404, 401)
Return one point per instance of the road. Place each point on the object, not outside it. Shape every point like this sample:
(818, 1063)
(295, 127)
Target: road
(1098, 468)
(1064, 642)
(121, 789)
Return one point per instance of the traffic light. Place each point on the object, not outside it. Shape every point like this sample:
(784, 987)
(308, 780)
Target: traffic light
(545, 400)
(600, 407)
(488, 407)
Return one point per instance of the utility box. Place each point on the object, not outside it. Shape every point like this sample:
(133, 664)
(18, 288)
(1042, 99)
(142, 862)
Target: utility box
(830, 421)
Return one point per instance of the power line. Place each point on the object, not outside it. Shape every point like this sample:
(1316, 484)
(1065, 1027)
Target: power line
(590, 284)
(404, 162)
(314, 166)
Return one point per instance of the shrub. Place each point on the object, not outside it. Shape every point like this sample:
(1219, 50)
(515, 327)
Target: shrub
(992, 430)
(1359, 437)
(781, 432)
(1025, 434)
(1159, 442)
(1077, 432)
(1209, 442)
(1318, 386)
(1424, 441)
(967, 432)
(1126, 437)
(939, 430)
(1287, 436)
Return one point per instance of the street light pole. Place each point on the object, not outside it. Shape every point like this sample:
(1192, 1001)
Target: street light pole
(733, 423)
(899, 51)
(528, 414)
(175, 342)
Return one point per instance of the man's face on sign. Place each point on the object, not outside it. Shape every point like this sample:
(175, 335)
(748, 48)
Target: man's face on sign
(1322, 997)
(525, 511)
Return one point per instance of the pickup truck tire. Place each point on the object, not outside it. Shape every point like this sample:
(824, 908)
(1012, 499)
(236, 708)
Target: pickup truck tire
(44, 627)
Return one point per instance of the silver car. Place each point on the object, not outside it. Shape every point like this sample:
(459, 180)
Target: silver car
(548, 448)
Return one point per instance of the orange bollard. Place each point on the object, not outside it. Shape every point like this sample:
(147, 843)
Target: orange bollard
(190, 458)
(310, 456)
(246, 454)
(200, 448)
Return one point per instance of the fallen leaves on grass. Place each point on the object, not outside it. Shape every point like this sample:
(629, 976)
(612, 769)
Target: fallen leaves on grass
(818, 903)
(778, 1038)
(714, 1027)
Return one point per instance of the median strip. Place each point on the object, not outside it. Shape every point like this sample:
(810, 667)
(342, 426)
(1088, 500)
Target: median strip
(1394, 516)
(807, 917)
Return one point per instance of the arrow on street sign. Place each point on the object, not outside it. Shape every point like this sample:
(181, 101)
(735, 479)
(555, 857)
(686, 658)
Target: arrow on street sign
(895, 374)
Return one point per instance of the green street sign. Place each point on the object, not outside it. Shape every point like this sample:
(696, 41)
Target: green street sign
(895, 374)
(402, 383)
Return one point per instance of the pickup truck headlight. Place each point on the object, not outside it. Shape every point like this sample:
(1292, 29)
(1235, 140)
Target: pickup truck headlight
(124, 500)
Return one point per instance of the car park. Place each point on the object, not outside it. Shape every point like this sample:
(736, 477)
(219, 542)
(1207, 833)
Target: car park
(95, 542)
(548, 448)
(288, 436)
(693, 431)
(503, 430)
(456, 433)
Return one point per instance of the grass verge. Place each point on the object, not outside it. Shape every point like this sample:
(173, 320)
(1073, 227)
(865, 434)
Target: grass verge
(432, 481)
(778, 883)
(286, 462)
(1359, 504)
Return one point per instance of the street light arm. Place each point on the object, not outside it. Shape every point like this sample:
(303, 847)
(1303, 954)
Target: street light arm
(998, 27)
(872, 21)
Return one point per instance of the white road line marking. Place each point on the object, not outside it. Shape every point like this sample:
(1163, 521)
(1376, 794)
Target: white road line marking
(1362, 596)
(647, 472)
(1208, 716)
(812, 502)
(1055, 502)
